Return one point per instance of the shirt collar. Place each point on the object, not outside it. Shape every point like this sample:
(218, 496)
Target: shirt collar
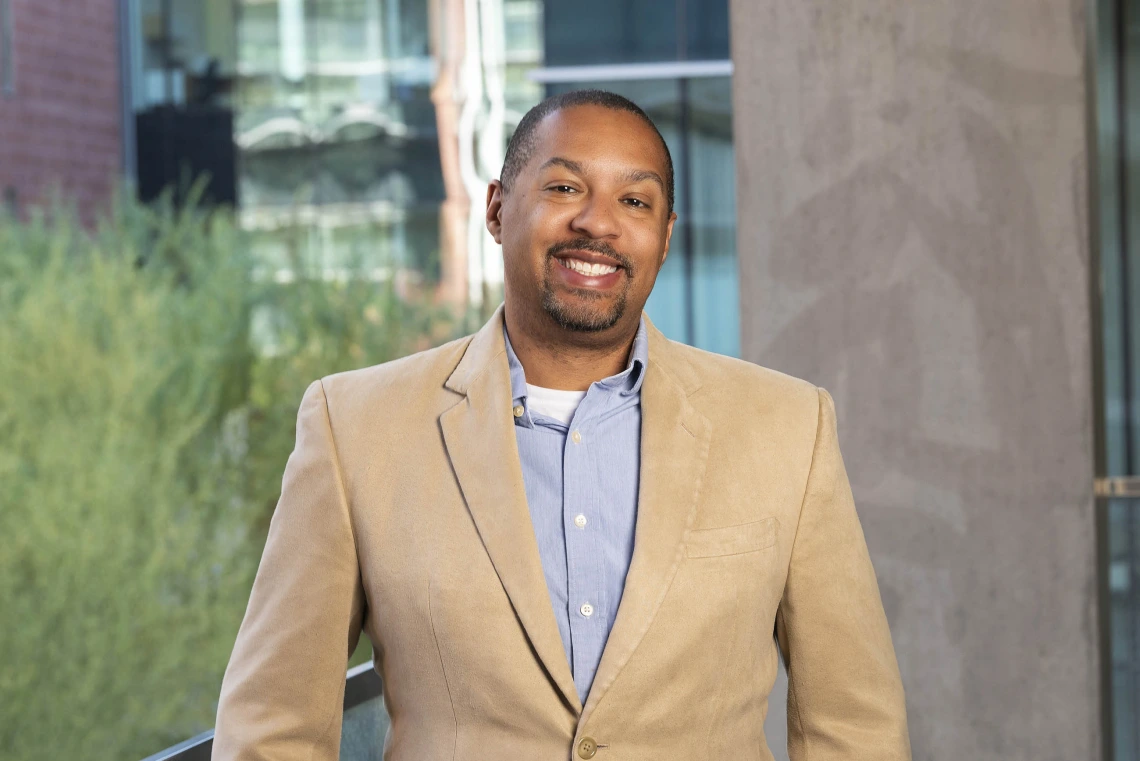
(627, 382)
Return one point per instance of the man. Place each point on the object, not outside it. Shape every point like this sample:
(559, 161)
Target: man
(567, 536)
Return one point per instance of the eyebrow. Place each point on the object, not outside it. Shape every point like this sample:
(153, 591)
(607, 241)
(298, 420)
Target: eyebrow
(633, 175)
(638, 175)
(573, 166)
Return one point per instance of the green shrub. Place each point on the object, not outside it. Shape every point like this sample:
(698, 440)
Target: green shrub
(144, 427)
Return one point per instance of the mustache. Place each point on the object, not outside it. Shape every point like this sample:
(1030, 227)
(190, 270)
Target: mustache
(595, 246)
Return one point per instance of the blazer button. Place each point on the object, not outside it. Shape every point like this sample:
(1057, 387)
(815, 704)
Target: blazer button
(587, 747)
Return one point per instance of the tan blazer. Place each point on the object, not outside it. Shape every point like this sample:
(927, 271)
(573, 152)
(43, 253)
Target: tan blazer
(403, 513)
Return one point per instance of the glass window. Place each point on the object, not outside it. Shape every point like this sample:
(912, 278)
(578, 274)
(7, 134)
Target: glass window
(591, 32)
(706, 30)
(338, 129)
(605, 31)
(711, 208)
(1117, 60)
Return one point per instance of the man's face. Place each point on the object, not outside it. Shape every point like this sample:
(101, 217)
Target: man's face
(586, 224)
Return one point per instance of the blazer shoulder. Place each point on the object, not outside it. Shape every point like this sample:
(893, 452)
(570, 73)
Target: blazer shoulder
(721, 376)
(751, 405)
(406, 383)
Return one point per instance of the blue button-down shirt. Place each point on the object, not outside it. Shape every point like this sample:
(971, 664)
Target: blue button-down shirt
(581, 487)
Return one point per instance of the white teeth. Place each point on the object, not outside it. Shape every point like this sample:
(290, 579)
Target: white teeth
(586, 268)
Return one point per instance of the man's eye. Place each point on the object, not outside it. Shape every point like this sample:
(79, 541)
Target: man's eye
(637, 203)
(562, 188)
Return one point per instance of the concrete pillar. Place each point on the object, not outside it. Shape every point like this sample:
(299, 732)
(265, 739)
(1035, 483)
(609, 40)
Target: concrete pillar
(912, 206)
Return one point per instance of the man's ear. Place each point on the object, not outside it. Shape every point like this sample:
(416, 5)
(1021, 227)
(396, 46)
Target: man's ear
(495, 210)
(668, 235)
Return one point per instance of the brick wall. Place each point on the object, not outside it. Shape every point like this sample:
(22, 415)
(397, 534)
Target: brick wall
(62, 126)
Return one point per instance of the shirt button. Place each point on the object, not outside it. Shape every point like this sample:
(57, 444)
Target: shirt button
(587, 609)
(580, 521)
(519, 410)
(576, 437)
(587, 747)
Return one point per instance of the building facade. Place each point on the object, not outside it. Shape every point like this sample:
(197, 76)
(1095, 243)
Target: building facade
(60, 103)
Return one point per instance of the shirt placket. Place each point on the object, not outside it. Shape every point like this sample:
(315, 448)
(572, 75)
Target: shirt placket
(586, 583)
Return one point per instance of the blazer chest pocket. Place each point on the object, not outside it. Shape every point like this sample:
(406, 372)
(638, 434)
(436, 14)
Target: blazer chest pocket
(732, 540)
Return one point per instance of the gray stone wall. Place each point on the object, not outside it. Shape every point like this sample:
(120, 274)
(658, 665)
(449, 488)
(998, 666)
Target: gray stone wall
(912, 191)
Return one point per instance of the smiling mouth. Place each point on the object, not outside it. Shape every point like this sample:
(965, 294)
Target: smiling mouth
(590, 269)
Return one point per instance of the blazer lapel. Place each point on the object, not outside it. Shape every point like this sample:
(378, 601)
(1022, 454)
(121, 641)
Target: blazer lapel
(480, 439)
(674, 449)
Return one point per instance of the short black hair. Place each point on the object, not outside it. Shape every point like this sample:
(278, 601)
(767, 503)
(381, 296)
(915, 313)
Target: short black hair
(522, 144)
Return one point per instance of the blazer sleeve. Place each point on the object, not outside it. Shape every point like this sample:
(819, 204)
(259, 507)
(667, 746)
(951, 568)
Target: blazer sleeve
(845, 696)
(283, 691)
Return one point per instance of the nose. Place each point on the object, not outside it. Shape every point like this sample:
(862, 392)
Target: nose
(596, 219)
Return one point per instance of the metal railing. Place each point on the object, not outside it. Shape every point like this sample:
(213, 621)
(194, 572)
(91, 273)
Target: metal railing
(362, 684)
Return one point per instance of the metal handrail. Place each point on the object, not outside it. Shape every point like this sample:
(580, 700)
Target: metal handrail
(362, 684)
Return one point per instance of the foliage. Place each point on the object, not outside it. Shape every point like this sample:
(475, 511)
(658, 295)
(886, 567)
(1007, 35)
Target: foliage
(151, 384)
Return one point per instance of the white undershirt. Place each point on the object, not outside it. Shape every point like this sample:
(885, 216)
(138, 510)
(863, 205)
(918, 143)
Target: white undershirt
(553, 402)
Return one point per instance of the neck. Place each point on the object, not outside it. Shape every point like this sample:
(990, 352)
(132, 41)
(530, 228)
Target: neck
(558, 359)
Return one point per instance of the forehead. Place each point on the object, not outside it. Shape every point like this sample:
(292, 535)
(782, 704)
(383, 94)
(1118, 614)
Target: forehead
(600, 138)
